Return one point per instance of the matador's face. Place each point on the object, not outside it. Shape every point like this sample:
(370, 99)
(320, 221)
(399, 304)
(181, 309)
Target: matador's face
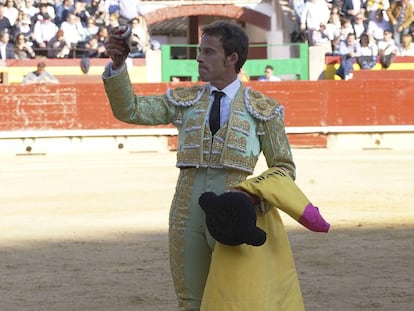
(213, 65)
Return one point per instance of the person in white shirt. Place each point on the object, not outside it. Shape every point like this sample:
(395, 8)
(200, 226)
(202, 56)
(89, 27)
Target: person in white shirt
(11, 12)
(40, 76)
(377, 26)
(323, 37)
(387, 49)
(314, 13)
(359, 26)
(269, 75)
(29, 8)
(43, 31)
(342, 35)
(140, 39)
(6, 48)
(369, 52)
(407, 46)
(73, 30)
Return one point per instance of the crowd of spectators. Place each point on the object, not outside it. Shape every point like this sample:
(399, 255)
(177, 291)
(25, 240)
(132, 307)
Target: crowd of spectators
(67, 28)
(78, 28)
(359, 31)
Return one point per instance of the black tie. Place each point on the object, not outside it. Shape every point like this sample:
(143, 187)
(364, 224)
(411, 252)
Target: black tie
(215, 112)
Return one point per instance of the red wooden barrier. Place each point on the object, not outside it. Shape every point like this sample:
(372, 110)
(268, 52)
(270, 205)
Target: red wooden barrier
(307, 104)
(384, 74)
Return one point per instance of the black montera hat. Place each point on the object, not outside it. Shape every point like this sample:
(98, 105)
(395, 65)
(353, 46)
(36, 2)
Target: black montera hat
(231, 218)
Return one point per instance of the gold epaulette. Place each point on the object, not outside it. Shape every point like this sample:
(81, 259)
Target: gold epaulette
(262, 107)
(186, 96)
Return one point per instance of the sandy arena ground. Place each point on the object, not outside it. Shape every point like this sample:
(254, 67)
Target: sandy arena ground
(88, 232)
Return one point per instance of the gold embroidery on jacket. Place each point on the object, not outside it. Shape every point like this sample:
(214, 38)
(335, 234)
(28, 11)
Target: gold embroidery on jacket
(186, 96)
(190, 152)
(179, 211)
(241, 126)
(262, 107)
(235, 145)
(238, 142)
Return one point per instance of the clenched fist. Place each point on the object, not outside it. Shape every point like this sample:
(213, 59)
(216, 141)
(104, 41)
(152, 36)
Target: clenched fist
(118, 45)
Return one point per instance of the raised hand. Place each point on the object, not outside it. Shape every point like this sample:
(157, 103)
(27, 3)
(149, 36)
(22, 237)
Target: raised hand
(118, 45)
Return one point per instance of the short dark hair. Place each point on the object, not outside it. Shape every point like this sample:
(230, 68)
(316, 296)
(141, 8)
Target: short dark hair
(233, 38)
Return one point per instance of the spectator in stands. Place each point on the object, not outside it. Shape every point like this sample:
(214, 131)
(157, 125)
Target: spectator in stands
(377, 26)
(268, 75)
(346, 28)
(73, 32)
(42, 10)
(40, 76)
(113, 21)
(97, 9)
(323, 38)
(102, 36)
(91, 27)
(140, 38)
(407, 46)
(11, 11)
(23, 49)
(29, 8)
(387, 49)
(57, 46)
(372, 7)
(314, 14)
(6, 48)
(126, 9)
(333, 27)
(349, 50)
(23, 26)
(43, 31)
(95, 49)
(400, 15)
(80, 12)
(50, 9)
(19, 4)
(4, 21)
(335, 17)
(359, 25)
(350, 8)
(332, 3)
(298, 6)
(369, 52)
(62, 11)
